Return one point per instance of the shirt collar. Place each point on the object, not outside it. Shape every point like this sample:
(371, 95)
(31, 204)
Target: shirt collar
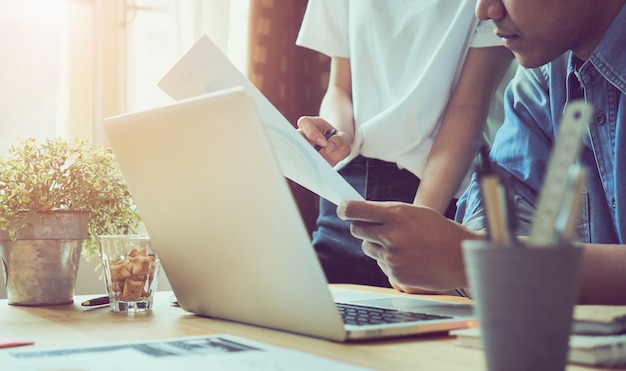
(609, 57)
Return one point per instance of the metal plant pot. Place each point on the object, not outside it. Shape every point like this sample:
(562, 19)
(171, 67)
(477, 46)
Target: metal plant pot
(41, 265)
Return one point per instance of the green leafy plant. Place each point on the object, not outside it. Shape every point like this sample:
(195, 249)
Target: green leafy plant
(60, 174)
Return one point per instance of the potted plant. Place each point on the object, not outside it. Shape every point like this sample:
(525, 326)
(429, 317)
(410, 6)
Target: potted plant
(56, 197)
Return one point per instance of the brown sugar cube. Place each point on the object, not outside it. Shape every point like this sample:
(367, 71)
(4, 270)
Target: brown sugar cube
(132, 289)
(141, 266)
(124, 272)
(115, 270)
(117, 286)
(137, 252)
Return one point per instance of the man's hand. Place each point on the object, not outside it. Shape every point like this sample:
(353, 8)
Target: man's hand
(416, 247)
(417, 290)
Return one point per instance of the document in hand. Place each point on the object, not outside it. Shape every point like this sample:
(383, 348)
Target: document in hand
(603, 351)
(205, 69)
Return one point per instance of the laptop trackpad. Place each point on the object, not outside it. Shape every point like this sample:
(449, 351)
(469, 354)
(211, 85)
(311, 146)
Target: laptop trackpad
(417, 305)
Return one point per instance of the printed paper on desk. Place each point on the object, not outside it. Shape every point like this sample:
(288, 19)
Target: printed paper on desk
(212, 352)
(205, 69)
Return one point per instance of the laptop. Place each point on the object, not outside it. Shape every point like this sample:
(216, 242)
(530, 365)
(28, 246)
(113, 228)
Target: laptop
(227, 229)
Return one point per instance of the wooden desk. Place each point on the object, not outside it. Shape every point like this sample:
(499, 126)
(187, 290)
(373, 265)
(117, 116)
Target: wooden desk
(72, 325)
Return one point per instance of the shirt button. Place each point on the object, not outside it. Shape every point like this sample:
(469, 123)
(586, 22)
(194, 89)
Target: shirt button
(599, 118)
(613, 203)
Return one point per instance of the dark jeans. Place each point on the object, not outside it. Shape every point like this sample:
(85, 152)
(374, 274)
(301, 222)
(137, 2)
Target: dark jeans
(338, 251)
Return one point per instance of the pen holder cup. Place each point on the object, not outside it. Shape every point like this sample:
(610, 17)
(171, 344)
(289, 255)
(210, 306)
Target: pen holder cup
(524, 299)
(131, 271)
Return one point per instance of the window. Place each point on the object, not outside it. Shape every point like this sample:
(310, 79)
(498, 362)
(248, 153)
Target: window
(35, 69)
(69, 63)
(159, 32)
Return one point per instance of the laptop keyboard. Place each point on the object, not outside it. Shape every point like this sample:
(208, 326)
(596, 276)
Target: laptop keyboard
(360, 315)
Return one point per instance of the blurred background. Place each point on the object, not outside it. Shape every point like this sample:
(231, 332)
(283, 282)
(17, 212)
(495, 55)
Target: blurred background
(67, 64)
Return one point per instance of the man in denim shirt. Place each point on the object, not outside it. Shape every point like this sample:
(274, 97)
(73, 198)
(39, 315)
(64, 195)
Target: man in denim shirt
(582, 42)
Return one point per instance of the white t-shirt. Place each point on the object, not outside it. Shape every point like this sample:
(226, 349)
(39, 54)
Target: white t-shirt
(405, 58)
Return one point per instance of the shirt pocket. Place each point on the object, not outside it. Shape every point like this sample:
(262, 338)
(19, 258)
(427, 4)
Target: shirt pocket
(524, 214)
(583, 228)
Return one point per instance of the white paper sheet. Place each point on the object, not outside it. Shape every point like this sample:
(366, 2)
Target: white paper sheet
(205, 69)
(216, 352)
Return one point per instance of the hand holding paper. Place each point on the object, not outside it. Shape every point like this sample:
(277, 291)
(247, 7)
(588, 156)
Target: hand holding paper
(205, 69)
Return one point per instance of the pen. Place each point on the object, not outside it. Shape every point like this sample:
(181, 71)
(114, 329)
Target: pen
(495, 200)
(327, 135)
(103, 300)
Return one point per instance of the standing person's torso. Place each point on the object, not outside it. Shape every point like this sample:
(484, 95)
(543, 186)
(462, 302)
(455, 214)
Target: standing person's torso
(406, 57)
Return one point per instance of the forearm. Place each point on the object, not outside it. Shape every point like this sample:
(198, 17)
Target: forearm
(462, 126)
(450, 157)
(603, 275)
(336, 107)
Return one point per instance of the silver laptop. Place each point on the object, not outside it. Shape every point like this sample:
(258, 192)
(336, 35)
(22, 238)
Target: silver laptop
(227, 229)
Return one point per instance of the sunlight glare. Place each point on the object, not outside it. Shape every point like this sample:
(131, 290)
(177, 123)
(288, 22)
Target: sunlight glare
(38, 11)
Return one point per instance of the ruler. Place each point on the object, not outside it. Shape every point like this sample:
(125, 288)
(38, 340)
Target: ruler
(552, 198)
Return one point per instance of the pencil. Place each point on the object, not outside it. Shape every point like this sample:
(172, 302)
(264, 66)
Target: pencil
(103, 300)
(494, 196)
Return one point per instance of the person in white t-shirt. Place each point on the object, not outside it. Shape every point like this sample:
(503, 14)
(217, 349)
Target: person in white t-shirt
(409, 91)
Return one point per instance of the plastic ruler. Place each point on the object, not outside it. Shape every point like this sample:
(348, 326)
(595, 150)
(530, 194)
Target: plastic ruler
(552, 198)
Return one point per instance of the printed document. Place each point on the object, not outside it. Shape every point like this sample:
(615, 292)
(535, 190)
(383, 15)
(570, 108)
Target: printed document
(205, 69)
(215, 352)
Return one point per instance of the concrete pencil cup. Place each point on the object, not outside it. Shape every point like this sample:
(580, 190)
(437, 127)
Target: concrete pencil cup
(524, 299)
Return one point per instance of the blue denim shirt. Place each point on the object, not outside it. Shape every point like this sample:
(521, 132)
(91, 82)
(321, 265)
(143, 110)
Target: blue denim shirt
(534, 104)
